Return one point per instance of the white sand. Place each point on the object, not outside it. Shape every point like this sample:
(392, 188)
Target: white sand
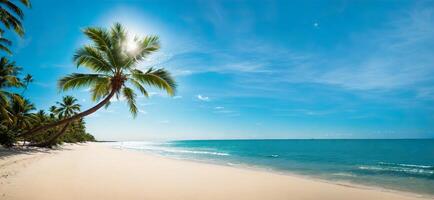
(96, 171)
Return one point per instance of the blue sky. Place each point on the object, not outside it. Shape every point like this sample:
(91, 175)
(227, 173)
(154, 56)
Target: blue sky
(253, 69)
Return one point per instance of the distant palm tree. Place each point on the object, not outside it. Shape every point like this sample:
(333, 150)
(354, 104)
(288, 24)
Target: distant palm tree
(27, 80)
(115, 67)
(11, 16)
(22, 118)
(67, 108)
(41, 117)
(53, 112)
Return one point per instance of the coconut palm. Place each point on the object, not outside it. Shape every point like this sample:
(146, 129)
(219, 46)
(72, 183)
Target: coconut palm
(67, 108)
(114, 64)
(26, 81)
(53, 112)
(8, 74)
(21, 115)
(8, 78)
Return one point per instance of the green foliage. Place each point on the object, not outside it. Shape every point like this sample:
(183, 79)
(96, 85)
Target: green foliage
(115, 72)
(7, 138)
(115, 66)
(18, 114)
(11, 16)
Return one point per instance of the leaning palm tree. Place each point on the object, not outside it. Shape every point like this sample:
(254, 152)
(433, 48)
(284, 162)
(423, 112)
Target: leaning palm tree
(67, 108)
(115, 70)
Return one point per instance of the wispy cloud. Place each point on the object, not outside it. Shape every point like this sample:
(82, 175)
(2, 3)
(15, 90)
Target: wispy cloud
(202, 98)
(398, 55)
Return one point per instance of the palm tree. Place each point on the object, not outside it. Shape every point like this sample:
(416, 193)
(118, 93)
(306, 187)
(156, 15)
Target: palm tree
(11, 16)
(115, 70)
(67, 108)
(22, 118)
(27, 80)
(53, 112)
(8, 74)
(8, 78)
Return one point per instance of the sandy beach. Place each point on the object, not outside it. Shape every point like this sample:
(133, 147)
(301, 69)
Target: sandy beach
(96, 171)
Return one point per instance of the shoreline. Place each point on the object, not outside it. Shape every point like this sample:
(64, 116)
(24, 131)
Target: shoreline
(88, 171)
(285, 173)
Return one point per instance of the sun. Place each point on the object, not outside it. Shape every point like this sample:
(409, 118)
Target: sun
(131, 45)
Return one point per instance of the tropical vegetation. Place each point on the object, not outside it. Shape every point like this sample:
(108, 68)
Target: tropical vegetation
(17, 113)
(112, 57)
(115, 71)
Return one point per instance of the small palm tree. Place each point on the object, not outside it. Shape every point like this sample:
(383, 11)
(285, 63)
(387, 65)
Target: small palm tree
(67, 108)
(115, 70)
(11, 16)
(41, 117)
(22, 118)
(53, 112)
(26, 81)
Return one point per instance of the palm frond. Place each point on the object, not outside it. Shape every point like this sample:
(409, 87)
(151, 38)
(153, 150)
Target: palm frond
(93, 59)
(139, 86)
(130, 96)
(5, 41)
(14, 8)
(26, 3)
(100, 89)
(5, 49)
(11, 21)
(77, 80)
(118, 38)
(102, 40)
(159, 78)
(147, 46)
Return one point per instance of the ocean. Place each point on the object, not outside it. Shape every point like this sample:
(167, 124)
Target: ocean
(405, 165)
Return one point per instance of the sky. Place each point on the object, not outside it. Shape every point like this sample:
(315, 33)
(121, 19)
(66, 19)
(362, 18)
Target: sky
(251, 69)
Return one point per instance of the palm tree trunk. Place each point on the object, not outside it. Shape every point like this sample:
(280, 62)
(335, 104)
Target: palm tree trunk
(53, 138)
(68, 120)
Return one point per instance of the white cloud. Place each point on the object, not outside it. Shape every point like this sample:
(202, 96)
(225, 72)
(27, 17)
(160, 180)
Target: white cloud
(202, 98)
(177, 97)
(218, 107)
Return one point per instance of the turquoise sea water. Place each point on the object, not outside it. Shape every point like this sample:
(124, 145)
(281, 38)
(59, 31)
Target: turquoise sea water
(406, 165)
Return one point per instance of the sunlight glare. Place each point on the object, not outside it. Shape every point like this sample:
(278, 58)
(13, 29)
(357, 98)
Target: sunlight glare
(131, 45)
